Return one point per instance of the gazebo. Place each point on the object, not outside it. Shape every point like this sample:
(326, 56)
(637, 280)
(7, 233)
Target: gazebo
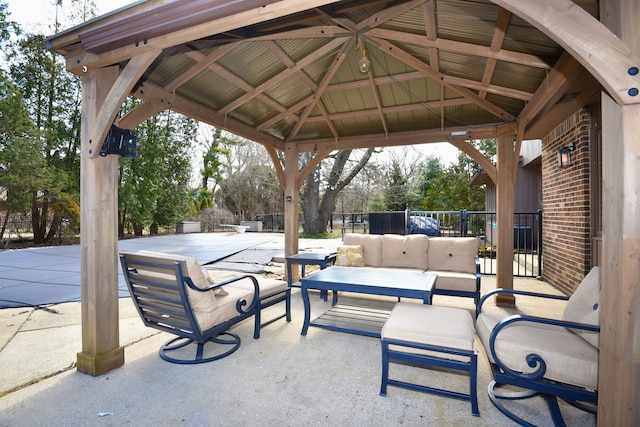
(316, 76)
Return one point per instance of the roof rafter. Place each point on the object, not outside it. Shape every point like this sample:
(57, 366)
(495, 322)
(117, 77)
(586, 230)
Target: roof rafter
(439, 77)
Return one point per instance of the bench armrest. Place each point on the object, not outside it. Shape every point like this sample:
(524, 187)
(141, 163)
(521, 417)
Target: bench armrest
(516, 292)
(533, 360)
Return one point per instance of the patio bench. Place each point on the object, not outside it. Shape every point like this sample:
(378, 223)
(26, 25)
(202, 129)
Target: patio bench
(173, 293)
(453, 259)
(554, 358)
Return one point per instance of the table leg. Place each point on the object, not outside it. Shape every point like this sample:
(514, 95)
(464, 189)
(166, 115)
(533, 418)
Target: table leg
(307, 309)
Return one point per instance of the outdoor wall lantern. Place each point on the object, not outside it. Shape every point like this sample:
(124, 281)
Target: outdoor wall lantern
(364, 64)
(564, 155)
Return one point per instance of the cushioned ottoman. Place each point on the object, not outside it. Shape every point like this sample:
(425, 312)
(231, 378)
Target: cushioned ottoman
(430, 335)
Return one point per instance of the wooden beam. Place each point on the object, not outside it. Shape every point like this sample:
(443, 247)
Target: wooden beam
(461, 47)
(277, 164)
(291, 200)
(619, 367)
(401, 138)
(476, 155)
(505, 196)
(387, 14)
(333, 69)
(79, 59)
(418, 65)
(101, 350)
(599, 50)
(320, 155)
(333, 44)
(139, 114)
(113, 101)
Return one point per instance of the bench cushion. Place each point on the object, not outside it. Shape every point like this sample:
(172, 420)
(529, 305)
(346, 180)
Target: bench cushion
(350, 256)
(454, 281)
(432, 325)
(453, 254)
(372, 244)
(584, 306)
(569, 358)
(201, 302)
(405, 251)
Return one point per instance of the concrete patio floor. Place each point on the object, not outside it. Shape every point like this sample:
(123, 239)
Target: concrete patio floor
(326, 378)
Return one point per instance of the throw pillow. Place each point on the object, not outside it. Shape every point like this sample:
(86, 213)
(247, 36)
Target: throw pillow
(350, 256)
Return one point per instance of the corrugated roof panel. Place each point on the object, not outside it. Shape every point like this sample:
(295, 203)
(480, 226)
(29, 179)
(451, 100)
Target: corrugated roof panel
(290, 92)
(297, 49)
(468, 67)
(253, 63)
(167, 67)
(358, 125)
(254, 112)
(411, 21)
(516, 76)
(314, 130)
(466, 21)
(467, 115)
(522, 37)
(386, 65)
(348, 100)
(211, 90)
(510, 105)
(412, 120)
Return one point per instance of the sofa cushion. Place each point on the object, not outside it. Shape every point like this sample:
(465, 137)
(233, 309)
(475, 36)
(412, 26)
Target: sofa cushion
(201, 302)
(372, 244)
(569, 358)
(454, 281)
(350, 256)
(453, 254)
(405, 251)
(584, 306)
(226, 307)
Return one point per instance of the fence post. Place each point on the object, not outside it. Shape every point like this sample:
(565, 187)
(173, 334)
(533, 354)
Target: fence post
(463, 222)
(539, 219)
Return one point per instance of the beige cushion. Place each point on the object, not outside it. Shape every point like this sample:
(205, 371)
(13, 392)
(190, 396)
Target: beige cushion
(430, 324)
(405, 251)
(453, 254)
(569, 358)
(201, 302)
(267, 286)
(453, 281)
(584, 306)
(350, 256)
(372, 244)
(226, 307)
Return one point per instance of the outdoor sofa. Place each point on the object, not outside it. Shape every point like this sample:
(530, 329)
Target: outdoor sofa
(453, 259)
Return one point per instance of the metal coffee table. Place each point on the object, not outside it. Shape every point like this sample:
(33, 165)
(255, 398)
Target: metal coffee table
(358, 319)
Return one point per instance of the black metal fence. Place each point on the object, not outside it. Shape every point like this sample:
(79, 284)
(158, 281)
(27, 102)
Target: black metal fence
(527, 232)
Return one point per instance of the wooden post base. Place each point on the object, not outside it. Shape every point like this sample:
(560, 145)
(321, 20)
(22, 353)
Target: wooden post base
(99, 364)
(505, 300)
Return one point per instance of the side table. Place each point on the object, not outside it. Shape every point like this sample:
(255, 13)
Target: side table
(309, 258)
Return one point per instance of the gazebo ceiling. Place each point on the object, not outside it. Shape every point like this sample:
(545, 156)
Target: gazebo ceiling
(437, 67)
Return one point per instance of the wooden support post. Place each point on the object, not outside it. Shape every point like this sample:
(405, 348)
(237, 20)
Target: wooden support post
(505, 194)
(619, 373)
(291, 202)
(101, 350)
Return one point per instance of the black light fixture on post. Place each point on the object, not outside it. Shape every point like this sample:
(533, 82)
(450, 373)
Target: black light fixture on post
(564, 155)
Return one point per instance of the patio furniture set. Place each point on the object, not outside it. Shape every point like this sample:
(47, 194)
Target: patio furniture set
(548, 357)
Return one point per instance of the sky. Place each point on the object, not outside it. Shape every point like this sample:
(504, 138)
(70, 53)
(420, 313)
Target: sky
(39, 15)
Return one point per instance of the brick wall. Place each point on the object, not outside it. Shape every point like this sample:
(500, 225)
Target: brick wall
(566, 205)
